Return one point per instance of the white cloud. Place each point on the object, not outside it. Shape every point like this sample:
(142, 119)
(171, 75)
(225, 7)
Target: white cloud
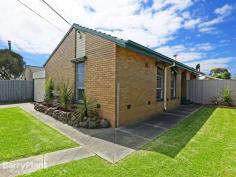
(151, 27)
(208, 64)
(192, 23)
(225, 10)
(222, 13)
(184, 54)
(204, 47)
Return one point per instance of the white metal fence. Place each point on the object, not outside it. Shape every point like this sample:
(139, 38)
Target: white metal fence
(202, 91)
(16, 90)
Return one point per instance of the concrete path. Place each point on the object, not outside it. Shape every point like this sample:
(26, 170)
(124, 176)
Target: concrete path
(136, 135)
(112, 144)
(31, 164)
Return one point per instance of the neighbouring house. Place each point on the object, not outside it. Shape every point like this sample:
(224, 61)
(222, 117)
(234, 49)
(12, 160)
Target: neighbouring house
(128, 81)
(206, 77)
(28, 72)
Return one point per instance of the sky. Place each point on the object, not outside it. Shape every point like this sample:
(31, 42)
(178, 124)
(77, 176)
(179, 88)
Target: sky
(198, 31)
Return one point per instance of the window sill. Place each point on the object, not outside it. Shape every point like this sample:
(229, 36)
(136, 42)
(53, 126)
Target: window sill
(173, 98)
(79, 102)
(159, 100)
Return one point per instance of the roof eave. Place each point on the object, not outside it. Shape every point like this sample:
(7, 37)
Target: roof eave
(146, 51)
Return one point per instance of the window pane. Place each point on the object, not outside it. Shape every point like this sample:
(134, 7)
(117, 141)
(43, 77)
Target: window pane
(172, 93)
(159, 82)
(80, 93)
(80, 75)
(173, 85)
(80, 80)
(159, 94)
(172, 81)
(160, 76)
(159, 71)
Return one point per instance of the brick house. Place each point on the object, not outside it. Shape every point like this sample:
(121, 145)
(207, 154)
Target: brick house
(128, 81)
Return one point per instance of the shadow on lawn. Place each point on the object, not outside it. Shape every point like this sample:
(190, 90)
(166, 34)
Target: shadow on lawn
(175, 139)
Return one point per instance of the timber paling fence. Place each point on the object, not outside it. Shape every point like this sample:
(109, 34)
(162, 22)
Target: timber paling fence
(16, 91)
(202, 91)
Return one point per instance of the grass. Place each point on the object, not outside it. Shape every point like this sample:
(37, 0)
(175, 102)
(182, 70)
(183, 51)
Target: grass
(202, 145)
(22, 135)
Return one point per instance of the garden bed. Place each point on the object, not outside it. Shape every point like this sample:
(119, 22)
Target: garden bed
(71, 117)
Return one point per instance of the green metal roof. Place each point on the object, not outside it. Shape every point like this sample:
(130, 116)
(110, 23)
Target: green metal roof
(129, 45)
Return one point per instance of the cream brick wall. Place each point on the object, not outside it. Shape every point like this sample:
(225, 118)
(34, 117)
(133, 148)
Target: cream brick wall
(100, 81)
(59, 67)
(136, 74)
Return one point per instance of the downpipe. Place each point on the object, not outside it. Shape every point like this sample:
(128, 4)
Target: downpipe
(165, 83)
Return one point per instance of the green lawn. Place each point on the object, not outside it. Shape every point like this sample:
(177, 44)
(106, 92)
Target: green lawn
(202, 145)
(22, 135)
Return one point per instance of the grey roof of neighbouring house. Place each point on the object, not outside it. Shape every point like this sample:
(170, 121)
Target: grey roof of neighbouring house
(34, 68)
(129, 44)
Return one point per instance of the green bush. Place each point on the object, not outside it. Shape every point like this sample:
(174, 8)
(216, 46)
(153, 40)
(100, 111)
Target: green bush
(87, 108)
(226, 96)
(49, 87)
(65, 96)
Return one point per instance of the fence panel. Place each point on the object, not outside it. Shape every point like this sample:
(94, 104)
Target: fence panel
(202, 91)
(16, 90)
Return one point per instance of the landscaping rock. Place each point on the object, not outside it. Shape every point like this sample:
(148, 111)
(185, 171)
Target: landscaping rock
(50, 111)
(72, 118)
(104, 123)
(40, 107)
(55, 114)
(84, 124)
(93, 124)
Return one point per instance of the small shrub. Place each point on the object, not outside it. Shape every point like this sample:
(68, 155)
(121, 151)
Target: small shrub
(49, 87)
(87, 108)
(216, 100)
(226, 96)
(65, 96)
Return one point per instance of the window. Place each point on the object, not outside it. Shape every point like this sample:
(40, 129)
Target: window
(160, 83)
(173, 84)
(80, 70)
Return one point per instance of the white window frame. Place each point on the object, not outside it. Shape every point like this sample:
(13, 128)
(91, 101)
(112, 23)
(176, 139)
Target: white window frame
(160, 88)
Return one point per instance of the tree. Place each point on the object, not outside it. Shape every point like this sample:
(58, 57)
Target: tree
(221, 73)
(11, 65)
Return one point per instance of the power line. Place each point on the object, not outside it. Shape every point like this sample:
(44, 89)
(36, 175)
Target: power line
(56, 12)
(40, 16)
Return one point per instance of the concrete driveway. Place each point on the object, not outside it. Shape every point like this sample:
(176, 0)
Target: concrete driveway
(136, 135)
